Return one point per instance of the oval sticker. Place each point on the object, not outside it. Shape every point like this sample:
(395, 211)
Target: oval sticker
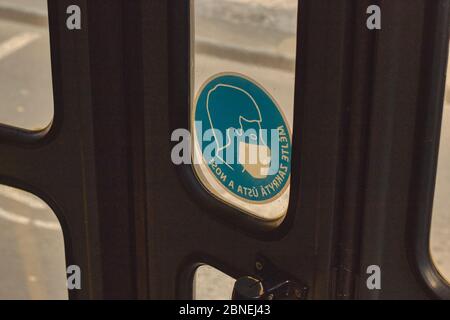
(244, 138)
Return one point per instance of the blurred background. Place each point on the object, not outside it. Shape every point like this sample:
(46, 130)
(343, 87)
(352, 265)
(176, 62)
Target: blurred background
(253, 37)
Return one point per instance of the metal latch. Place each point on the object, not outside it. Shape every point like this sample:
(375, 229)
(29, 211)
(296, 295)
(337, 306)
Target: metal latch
(268, 283)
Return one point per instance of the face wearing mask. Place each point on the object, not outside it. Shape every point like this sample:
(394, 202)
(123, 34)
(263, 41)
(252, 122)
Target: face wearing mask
(253, 154)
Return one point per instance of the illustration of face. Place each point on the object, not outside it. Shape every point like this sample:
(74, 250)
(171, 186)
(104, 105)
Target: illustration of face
(241, 141)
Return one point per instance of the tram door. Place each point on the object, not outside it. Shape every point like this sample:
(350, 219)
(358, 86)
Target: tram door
(247, 150)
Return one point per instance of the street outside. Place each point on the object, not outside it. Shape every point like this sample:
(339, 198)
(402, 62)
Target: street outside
(32, 262)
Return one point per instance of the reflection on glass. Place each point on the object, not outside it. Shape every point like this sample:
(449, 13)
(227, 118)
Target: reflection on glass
(26, 99)
(32, 263)
(244, 71)
(212, 284)
(440, 229)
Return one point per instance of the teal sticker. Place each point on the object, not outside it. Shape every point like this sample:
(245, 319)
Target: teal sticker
(243, 137)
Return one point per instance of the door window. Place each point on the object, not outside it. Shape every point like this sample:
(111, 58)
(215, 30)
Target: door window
(242, 115)
(26, 99)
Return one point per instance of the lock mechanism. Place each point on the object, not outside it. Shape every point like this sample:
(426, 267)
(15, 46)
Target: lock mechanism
(268, 283)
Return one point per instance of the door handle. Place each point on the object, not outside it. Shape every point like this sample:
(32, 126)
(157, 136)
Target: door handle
(268, 283)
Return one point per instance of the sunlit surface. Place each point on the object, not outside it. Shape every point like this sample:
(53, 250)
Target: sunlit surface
(258, 40)
(25, 72)
(440, 230)
(212, 284)
(32, 264)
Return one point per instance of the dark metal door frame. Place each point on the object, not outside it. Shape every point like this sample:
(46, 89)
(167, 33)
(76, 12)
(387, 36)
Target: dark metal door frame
(367, 116)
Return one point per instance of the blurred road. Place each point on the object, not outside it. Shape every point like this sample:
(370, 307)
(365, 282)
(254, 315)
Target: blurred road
(25, 90)
(31, 245)
(34, 5)
(440, 230)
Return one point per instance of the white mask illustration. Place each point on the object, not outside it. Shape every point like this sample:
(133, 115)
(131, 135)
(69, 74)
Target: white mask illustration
(255, 158)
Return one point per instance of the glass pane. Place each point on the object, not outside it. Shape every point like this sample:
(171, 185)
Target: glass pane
(32, 263)
(26, 99)
(244, 78)
(440, 230)
(212, 284)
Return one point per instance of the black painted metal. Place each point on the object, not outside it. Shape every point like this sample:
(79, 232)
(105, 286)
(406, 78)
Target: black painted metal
(410, 61)
(367, 115)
